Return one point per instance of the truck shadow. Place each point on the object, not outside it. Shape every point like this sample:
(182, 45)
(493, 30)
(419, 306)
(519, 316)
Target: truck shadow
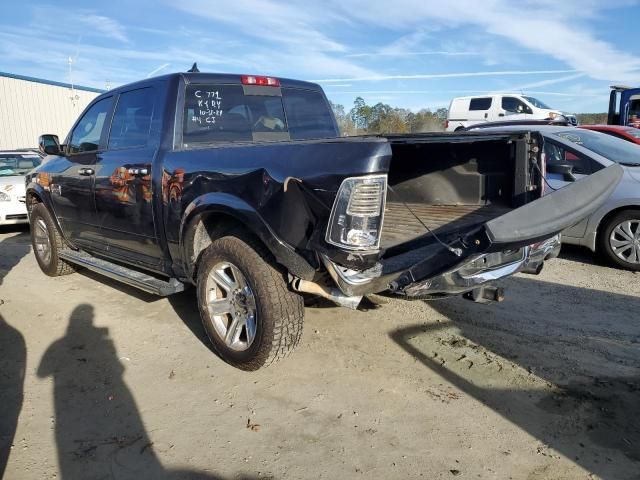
(568, 374)
(98, 427)
(13, 360)
(13, 248)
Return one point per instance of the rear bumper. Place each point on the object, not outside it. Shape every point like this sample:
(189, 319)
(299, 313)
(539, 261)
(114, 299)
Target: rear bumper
(473, 272)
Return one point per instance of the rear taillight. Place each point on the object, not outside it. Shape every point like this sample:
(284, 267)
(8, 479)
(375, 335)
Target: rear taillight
(446, 124)
(356, 218)
(260, 81)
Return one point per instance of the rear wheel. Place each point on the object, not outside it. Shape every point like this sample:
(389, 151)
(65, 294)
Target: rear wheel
(47, 243)
(619, 241)
(251, 317)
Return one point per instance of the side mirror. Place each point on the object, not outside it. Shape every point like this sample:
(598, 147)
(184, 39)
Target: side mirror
(49, 144)
(565, 170)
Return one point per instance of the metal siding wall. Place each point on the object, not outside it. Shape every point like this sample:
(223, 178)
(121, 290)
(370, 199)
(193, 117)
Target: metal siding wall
(29, 109)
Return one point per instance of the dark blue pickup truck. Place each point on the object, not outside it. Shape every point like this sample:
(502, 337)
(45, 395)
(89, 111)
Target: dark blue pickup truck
(242, 186)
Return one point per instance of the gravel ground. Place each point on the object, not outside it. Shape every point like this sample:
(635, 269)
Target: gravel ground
(108, 382)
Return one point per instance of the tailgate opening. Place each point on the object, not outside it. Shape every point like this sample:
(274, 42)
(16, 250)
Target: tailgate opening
(453, 187)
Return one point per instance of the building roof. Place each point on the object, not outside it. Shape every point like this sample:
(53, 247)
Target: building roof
(50, 82)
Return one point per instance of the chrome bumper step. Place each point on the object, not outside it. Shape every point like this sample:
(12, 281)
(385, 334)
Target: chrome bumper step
(122, 274)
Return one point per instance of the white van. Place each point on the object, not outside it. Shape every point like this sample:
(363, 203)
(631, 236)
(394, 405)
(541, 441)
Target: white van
(467, 111)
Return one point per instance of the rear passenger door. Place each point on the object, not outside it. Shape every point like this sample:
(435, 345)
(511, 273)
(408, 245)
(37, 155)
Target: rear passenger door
(123, 182)
(480, 109)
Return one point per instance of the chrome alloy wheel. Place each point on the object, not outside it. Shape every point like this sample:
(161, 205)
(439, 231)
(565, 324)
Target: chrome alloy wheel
(232, 306)
(625, 241)
(42, 241)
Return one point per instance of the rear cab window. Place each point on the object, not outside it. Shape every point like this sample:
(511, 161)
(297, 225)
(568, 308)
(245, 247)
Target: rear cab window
(220, 113)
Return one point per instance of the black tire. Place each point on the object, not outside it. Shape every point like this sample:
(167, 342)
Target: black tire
(604, 247)
(51, 265)
(279, 312)
(459, 129)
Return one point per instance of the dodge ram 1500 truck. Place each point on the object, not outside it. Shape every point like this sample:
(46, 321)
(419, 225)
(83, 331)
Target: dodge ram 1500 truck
(242, 186)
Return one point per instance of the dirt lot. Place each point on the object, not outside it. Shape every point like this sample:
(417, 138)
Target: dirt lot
(119, 384)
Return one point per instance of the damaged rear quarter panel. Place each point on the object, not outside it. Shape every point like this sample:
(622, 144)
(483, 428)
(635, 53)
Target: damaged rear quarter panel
(290, 185)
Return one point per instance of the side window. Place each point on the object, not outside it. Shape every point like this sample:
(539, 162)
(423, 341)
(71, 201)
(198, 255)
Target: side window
(308, 114)
(515, 105)
(483, 103)
(557, 155)
(85, 137)
(132, 119)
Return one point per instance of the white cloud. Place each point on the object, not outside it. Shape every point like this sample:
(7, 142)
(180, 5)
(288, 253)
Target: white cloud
(108, 27)
(427, 76)
(557, 29)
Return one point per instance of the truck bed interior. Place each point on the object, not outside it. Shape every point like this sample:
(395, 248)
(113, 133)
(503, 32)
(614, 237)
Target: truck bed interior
(450, 187)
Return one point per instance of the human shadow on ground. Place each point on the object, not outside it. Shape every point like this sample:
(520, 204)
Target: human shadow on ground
(13, 359)
(98, 428)
(13, 248)
(579, 390)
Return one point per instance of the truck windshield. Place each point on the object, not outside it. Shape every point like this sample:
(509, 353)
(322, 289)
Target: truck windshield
(537, 103)
(224, 113)
(17, 164)
(615, 149)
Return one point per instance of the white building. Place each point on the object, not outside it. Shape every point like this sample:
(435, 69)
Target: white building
(30, 107)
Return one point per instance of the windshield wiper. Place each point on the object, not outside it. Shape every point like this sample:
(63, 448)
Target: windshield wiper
(629, 164)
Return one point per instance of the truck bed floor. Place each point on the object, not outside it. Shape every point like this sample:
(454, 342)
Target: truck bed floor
(400, 225)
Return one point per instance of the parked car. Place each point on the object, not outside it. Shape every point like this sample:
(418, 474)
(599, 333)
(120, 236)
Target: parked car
(467, 111)
(630, 134)
(14, 165)
(242, 186)
(613, 230)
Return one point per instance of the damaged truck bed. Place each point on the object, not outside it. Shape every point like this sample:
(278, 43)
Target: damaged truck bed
(242, 186)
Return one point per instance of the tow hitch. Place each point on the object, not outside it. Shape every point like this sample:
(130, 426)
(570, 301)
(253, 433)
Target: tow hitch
(486, 294)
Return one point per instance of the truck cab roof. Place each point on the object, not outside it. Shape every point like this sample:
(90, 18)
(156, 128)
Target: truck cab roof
(221, 78)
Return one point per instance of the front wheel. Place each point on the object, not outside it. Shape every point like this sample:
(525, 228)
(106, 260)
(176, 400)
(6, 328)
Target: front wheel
(251, 317)
(47, 243)
(620, 240)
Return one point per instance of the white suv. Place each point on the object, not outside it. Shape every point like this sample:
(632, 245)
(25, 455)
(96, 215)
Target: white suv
(467, 111)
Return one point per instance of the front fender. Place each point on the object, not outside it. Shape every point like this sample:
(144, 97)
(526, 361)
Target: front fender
(245, 214)
(43, 194)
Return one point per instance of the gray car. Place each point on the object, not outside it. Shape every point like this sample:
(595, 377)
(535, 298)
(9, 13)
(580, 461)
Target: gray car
(613, 231)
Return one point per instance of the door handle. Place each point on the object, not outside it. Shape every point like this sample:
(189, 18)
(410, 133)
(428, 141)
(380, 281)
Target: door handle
(86, 172)
(501, 114)
(139, 172)
(486, 115)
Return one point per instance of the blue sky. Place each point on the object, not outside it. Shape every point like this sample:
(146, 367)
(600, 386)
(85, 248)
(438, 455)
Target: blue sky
(408, 53)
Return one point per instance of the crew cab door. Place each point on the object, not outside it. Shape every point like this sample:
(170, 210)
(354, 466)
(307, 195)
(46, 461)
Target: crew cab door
(123, 183)
(72, 179)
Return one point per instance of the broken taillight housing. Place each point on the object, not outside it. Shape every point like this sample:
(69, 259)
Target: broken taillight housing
(356, 218)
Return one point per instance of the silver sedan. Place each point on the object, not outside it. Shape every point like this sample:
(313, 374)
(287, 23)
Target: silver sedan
(613, 231)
